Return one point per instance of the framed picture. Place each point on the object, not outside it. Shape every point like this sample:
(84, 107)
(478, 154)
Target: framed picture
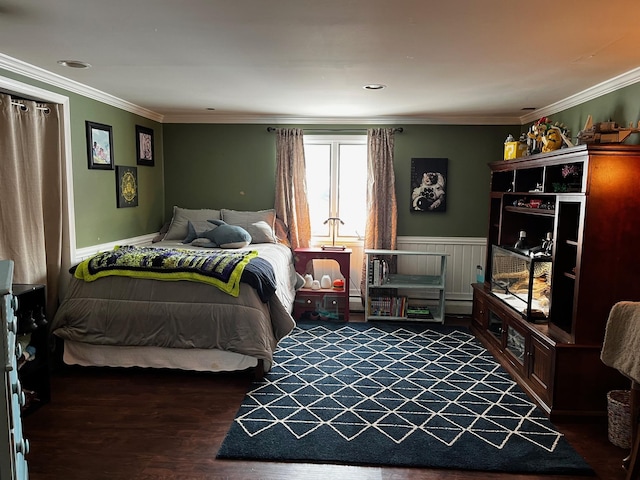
(127, 186)
(144, 145)
(429, 184)
(99, 145)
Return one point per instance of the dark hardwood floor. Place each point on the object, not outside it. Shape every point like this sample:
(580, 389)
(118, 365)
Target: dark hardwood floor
(138, 424)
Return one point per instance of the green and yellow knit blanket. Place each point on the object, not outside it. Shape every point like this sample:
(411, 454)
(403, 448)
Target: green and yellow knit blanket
(222, 269)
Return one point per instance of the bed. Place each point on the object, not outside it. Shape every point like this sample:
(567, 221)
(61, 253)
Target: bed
(125, 321)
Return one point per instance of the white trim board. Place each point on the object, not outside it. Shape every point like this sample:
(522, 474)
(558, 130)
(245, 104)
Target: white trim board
(86, 252)
(36, 73)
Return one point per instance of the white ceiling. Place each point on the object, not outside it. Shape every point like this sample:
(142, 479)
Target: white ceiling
(477, 61)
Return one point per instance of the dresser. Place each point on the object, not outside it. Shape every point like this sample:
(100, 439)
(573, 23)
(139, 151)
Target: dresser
(13, 446)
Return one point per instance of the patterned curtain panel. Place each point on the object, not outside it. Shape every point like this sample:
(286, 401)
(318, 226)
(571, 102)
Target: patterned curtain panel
(32, 194)
(382, 216)
(291, 202)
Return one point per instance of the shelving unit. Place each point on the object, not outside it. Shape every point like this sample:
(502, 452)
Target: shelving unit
(591, 214)
(396, 288)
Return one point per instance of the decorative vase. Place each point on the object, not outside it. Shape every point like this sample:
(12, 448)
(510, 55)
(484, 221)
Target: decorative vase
(308, 281)
(315, 285)
(325, 281)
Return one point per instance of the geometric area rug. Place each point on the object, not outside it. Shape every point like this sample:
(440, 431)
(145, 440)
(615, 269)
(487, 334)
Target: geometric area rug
(394, 394)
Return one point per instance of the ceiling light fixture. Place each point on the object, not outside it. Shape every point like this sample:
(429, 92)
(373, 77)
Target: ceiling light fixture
(74, 64)
(210, 108)
(529, 108)
(374, 86)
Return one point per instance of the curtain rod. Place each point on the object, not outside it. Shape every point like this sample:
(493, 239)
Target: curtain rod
(24, 107)
(397, 129)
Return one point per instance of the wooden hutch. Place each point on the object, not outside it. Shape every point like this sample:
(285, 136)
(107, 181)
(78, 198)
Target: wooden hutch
(590, 199)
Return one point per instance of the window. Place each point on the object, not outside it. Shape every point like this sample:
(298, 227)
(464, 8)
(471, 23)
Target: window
(336, 186)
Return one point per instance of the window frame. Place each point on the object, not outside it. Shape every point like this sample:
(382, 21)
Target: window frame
(335, 140)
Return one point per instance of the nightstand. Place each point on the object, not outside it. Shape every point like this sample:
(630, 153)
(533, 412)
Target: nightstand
(325, 303)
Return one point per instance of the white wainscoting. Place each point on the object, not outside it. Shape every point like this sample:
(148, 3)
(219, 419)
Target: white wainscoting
(86, 252)
(465, 253)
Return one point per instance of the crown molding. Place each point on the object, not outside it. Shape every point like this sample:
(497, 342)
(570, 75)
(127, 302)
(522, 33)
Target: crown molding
(36, 73)
(382, 120)
(608, 86)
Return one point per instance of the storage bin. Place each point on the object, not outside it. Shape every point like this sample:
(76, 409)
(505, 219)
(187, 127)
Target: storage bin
(619, 416)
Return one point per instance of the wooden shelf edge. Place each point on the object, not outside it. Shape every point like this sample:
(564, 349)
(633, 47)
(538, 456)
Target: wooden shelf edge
(435, 319)
(531, 211)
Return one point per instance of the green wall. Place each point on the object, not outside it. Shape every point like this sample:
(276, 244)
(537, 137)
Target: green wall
(233, 166)
(97, 218)
(621, 106)
(219, 166)
(469, 150)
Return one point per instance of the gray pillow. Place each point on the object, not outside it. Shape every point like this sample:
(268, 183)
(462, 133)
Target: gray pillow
(179, 227)
(161, 234)
(248, 219)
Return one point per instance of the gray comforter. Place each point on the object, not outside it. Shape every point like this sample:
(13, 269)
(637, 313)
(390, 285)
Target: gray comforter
(126, 311)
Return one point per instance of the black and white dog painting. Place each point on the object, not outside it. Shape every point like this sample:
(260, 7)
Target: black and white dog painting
(428, 184)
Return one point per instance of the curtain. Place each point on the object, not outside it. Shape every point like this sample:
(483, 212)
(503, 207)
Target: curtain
(382, 216)
(35, 228)
(291, 202)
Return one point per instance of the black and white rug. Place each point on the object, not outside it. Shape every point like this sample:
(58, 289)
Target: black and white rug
(395, 394)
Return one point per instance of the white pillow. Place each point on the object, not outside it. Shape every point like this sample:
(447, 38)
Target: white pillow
(261, 232)
(260, 224)
(182, 216)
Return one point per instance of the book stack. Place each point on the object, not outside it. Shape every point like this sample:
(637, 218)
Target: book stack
(387, 306)
(378, 272)
(421, 312)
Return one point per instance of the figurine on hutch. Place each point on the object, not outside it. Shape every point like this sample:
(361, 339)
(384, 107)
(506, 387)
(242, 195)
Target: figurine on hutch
(605, 132)
(544, 136)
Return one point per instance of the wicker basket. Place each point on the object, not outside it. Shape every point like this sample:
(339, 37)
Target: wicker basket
(619, 414)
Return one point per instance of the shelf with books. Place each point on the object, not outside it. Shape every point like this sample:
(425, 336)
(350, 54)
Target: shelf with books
(405, 285)
(383, 305)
